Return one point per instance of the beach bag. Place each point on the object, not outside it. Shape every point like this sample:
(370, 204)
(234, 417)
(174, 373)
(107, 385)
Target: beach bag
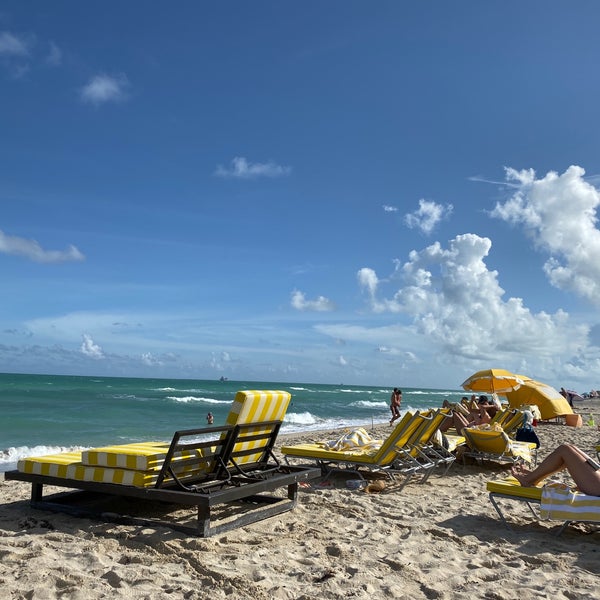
(527, 434)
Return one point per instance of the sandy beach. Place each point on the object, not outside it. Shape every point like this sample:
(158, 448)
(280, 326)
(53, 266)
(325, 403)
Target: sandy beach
(432, 540)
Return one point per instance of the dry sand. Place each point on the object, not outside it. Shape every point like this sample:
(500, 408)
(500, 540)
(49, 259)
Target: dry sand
(440, 539)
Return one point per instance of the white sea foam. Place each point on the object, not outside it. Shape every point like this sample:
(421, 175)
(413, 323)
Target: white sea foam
(10, 456)
(369, 404)
(187, 399)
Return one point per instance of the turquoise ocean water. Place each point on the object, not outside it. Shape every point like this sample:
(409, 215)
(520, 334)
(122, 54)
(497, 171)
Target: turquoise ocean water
(42, 414)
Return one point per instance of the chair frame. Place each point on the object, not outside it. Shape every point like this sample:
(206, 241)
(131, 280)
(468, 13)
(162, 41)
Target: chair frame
(406, 459)
(531, 503)
(481, 455)
(221, 478)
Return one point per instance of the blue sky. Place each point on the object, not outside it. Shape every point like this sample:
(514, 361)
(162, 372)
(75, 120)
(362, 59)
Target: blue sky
(390, 193)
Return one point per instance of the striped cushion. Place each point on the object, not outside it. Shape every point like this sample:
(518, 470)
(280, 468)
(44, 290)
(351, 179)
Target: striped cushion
(258, 405)
(68, 465)
(561, 502)
(253, 406)
(511, 487)
(144, 456)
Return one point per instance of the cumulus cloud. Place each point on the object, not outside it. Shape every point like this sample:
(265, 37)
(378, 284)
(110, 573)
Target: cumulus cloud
(32, 250)
(455, 301)
(427, 216)
(241, 168)
(12, 45)
(90, 348)
(559, 213)
(150, 360)
(388, 208)
(321, 304)
(105, 88)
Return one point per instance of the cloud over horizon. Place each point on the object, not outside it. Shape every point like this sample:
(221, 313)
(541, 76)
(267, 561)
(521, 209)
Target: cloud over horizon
(33, 251)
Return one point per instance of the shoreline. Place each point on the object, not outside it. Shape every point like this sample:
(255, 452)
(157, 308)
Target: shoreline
(432, 540)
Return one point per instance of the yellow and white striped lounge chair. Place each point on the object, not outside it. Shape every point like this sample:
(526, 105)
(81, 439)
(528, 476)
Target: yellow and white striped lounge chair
(555, 501)
(490, 444)
(201, 467)
(391, 456)
(423, 441)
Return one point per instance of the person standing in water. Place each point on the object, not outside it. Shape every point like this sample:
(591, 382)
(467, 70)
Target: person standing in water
(395, 403)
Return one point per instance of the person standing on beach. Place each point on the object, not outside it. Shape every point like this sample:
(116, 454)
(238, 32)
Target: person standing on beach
(395, 402)
(210, 419)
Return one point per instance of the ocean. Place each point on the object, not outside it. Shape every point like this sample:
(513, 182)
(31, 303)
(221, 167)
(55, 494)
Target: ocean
(45, 414)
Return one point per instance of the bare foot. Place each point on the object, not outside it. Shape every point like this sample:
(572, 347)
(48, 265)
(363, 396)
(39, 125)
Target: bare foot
(520, 473)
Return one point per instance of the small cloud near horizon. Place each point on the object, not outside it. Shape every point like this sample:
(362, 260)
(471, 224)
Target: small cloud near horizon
(33, 251)
(241, 168)
(321, 304)
(90, 348)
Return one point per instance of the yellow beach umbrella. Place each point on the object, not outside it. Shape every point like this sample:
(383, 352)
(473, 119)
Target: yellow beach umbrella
(492, 381)
(549, 400)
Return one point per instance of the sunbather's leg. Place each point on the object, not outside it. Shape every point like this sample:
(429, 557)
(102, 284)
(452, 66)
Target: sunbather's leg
(460, 421)
(565, 456)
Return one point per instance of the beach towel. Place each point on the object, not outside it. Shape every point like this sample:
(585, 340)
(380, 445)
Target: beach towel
(561, 502)
(357, 439)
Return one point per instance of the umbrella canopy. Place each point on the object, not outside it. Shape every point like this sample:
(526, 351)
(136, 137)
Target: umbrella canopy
(549, 400)
(492, 381)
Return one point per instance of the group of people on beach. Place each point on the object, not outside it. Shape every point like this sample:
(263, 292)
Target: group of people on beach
(583, 469)
(478, 410)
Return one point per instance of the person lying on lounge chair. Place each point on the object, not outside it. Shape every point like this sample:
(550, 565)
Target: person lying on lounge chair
(459, 420)
(584, 471)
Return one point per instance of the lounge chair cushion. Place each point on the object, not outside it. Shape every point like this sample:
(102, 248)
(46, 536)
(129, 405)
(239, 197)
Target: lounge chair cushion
(561, 502)
(68, 465)
(143, 456)
(511, 487)
(497, 445)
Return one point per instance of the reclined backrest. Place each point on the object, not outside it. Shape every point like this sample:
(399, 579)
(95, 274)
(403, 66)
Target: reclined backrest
(429, 426)
(398, 438)
(490, 441)
(254, 406)
(513, 423)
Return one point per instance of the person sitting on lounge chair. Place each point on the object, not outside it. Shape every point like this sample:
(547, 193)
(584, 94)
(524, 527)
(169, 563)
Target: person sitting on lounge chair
(584, 471)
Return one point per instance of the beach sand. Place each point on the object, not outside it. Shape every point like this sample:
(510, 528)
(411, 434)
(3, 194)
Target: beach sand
(434, 540)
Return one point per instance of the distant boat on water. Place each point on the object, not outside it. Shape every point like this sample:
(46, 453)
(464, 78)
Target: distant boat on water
(223, 378)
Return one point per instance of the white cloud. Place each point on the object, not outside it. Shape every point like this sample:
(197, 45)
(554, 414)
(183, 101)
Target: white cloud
(342, 361)
(12, 45)
(427, 216)
(321, 304)
(32, 250)
(559, 212)
(242, 169)
(454, 301)
(105, 88)
(388, 208)
(91, 349)
(150, 360)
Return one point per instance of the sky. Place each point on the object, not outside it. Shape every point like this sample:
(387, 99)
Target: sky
(389, 193)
